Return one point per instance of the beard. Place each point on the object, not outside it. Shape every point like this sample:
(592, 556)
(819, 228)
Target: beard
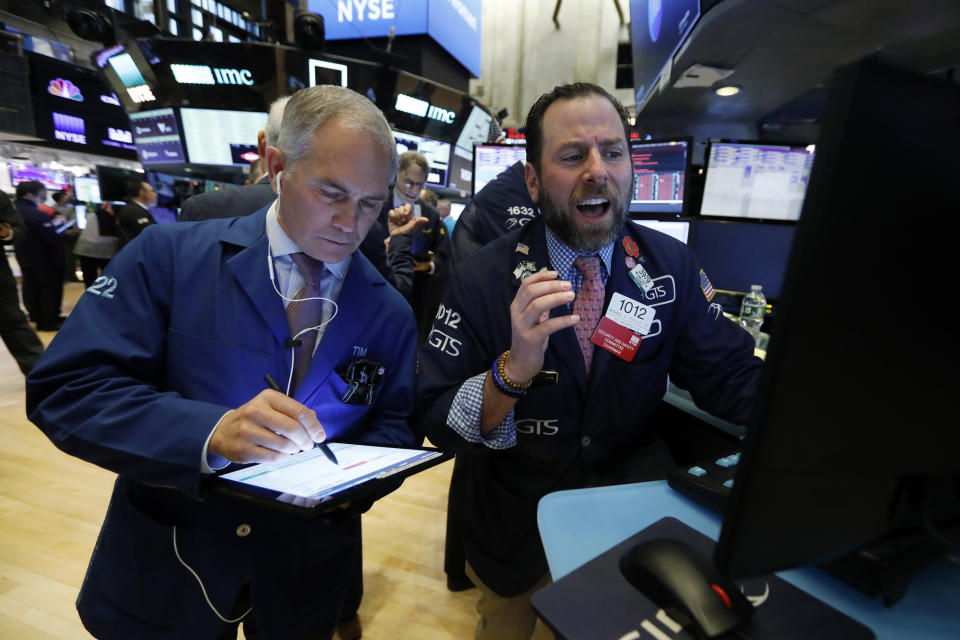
(579, 236)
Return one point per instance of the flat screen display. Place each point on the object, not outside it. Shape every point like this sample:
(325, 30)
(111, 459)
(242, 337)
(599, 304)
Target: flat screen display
(114, 182)
(490, 160)
(157, 136)
(86, 189)
(437, 153)
(736, 255)
(657, 30)
(456, 208)
(476, 130)
(679, 229)
(52, 179)
(756, 180)
(659, 175)
(211, 133)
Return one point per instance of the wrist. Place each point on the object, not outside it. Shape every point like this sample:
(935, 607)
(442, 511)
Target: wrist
(504, 382)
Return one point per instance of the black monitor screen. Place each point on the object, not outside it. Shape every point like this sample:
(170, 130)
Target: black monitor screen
(659, 175)
(736, 255)
(114, 182)
(437, 153)
(853, 442)
(490, 160)
(756, 180)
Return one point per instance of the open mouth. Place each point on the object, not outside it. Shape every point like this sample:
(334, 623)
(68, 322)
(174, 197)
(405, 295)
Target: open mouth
(593, 207)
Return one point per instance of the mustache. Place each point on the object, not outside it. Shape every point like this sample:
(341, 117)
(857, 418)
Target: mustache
(602, 191)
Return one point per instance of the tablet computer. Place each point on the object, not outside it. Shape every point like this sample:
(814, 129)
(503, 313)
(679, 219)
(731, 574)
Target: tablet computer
(308, 481)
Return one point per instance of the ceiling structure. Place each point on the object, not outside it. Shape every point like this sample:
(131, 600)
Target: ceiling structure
(782, 54)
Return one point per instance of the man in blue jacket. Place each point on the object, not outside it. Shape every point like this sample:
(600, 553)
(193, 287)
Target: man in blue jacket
(196, 317)
(552, 347)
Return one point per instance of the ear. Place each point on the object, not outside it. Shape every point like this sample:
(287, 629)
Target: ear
(533, 183)
(275, 163)
(261, 142)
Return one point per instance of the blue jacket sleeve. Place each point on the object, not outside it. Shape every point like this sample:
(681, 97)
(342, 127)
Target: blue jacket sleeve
(98, 391)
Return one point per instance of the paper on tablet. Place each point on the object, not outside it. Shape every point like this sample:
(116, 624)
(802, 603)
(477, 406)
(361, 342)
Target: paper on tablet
(309, 474)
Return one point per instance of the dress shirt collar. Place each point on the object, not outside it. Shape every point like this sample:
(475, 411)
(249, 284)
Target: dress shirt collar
(562, 257)
(282, 246)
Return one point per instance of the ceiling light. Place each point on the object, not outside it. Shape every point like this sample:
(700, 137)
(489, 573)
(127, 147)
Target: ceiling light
(727, 90)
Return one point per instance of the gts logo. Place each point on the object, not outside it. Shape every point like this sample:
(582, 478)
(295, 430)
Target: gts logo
(537, 426)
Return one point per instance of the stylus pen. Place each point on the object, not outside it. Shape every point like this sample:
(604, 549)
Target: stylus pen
(321, 445)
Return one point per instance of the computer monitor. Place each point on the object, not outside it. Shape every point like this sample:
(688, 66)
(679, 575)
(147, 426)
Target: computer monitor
(735, 255)
(760, 180)
(86, 189)
(52, 179)
(456, 208)
(114, 182)
(853, 445)
(659, 175)
(220, 136)
(490, 160)
(436, 152)
(679, 229)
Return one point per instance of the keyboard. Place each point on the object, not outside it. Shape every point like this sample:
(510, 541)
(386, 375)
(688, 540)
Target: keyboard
(708, 482)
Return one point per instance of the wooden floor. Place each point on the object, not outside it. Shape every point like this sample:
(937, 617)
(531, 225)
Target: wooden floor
(51, 507)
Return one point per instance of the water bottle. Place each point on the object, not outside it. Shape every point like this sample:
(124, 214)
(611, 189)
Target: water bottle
(752, 308)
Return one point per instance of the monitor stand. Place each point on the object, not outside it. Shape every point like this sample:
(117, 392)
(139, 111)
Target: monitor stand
(885, 568)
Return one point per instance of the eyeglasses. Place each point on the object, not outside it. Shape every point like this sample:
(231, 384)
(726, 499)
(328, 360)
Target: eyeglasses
(410, 184)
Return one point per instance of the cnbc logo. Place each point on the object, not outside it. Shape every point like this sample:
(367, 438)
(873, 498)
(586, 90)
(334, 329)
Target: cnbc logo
(202, 74)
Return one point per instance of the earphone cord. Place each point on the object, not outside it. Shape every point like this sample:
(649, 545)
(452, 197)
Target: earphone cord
(203, 588)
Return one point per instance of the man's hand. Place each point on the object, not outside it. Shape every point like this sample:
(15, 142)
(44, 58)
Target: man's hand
(423, 265)
(267, 428)
(5, 232)
(531, 324)
(399, 217)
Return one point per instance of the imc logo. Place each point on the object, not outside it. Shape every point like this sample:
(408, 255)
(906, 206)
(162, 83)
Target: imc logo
(202, 74)
(69, 128)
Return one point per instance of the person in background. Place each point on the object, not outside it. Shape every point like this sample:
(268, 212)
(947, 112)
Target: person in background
(63, 203)
(512, 373)
(15, 330)
(502, 206)
(429, 196)
(135, 216)
(443, 208)
(227, 203)
(41, 257)
(97, 243)
(176, 389)
(429, 242)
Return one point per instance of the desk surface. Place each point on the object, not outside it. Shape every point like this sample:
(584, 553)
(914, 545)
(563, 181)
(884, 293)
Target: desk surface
(576, 526)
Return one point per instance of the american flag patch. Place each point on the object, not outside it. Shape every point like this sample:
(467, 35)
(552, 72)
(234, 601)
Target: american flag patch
(705, 286)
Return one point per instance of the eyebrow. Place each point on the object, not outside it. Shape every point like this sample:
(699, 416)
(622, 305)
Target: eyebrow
(580, 143)
(327, 182)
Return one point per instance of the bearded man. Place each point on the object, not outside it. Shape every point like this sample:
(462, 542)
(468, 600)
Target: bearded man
(552, 348)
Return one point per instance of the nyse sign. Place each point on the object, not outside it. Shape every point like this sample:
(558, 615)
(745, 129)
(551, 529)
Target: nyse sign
(359, 10)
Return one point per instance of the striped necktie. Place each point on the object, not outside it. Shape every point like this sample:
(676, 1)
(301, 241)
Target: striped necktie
(588, 304)
(305, 312)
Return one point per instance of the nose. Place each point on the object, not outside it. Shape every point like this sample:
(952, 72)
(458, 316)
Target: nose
(345, 216)
(595, 168)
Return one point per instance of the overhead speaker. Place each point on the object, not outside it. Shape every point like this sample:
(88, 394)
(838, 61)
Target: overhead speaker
(92, 25)
(308, 31)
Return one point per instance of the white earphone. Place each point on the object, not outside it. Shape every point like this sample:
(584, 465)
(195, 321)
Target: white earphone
(279, 175)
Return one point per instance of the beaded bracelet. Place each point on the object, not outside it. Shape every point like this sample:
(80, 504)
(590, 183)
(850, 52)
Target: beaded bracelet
(503, 382)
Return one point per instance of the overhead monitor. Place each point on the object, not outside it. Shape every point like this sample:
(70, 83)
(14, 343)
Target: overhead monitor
(659, 175)
(679, 229)
(476, 130)
(115, 181)
(213, 135)
(156, 135)
(86, 189)
(736, 255)
(850, 457)
(490, 160)
(437, 153)
(658, 29)
(758, 180)
(52, 179)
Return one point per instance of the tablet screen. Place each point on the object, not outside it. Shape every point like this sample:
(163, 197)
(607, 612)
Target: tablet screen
(311, 478)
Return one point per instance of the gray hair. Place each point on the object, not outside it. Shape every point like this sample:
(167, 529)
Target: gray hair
(311, 108)
(272, 129)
